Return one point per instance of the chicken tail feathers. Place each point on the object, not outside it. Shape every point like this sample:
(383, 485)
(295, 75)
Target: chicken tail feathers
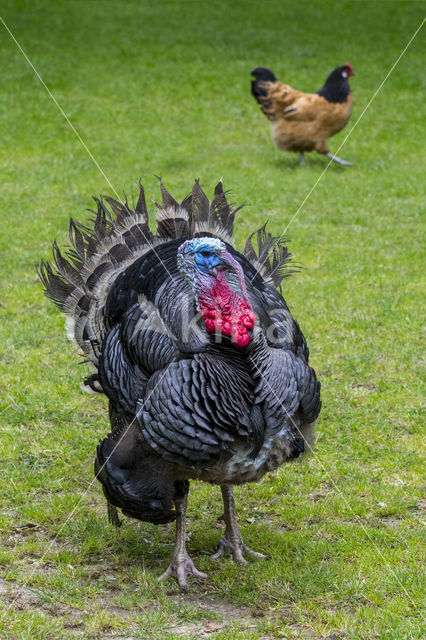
(260, 75)
(259, 89)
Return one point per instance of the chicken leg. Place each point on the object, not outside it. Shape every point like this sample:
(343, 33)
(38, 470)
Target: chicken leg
(338, 160)
(232, 541)
(181, 564)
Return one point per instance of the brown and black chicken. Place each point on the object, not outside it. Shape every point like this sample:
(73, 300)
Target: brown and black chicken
(204, 367)
(304, 121)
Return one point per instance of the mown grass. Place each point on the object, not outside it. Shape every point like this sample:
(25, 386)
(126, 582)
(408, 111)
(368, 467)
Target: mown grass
(162, 88)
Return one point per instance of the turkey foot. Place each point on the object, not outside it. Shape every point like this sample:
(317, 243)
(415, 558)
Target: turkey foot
(236, 548)
(181, 564)
(232, 542)
(181, 567)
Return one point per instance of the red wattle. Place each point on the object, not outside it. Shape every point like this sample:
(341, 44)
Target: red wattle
(223, 311)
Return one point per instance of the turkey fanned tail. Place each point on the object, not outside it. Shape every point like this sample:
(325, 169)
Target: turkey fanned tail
(80, 281)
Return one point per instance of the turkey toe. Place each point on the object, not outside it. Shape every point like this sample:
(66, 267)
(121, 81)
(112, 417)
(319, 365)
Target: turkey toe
(236, 549)
(181, 568)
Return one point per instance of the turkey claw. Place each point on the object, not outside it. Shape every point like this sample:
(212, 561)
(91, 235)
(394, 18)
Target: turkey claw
(180, 569)
(237, 550)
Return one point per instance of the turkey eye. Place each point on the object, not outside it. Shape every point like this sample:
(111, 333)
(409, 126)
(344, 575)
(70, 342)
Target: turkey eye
(206, 254)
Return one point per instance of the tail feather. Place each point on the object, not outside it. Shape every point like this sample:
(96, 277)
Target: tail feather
(78, 240)
(173, 227)
(172, 218)
(56, 288)
(187, 204)
(272, 257)
(200, 204)
(141, 207)
(222, 211)
(168, 200)
(65, 268)
(259, 89)
(260, 75)
(102, 223)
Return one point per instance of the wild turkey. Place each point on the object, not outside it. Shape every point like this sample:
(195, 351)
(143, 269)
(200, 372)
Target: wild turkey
(205, 369)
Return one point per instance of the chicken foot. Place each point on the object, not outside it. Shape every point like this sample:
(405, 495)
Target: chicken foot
(232, 542)
(181, 564)
(338, 160)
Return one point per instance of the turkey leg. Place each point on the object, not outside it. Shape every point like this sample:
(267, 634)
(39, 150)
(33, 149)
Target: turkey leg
(113, 515)
(232, 541)
(181, 564)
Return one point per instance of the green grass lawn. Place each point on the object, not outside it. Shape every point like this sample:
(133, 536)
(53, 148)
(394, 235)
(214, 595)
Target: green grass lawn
(163, 88)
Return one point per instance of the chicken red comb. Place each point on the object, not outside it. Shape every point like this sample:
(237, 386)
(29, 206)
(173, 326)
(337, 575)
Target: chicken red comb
(349, 67)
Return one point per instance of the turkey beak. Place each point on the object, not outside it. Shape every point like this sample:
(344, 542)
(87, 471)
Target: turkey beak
(227, 262)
